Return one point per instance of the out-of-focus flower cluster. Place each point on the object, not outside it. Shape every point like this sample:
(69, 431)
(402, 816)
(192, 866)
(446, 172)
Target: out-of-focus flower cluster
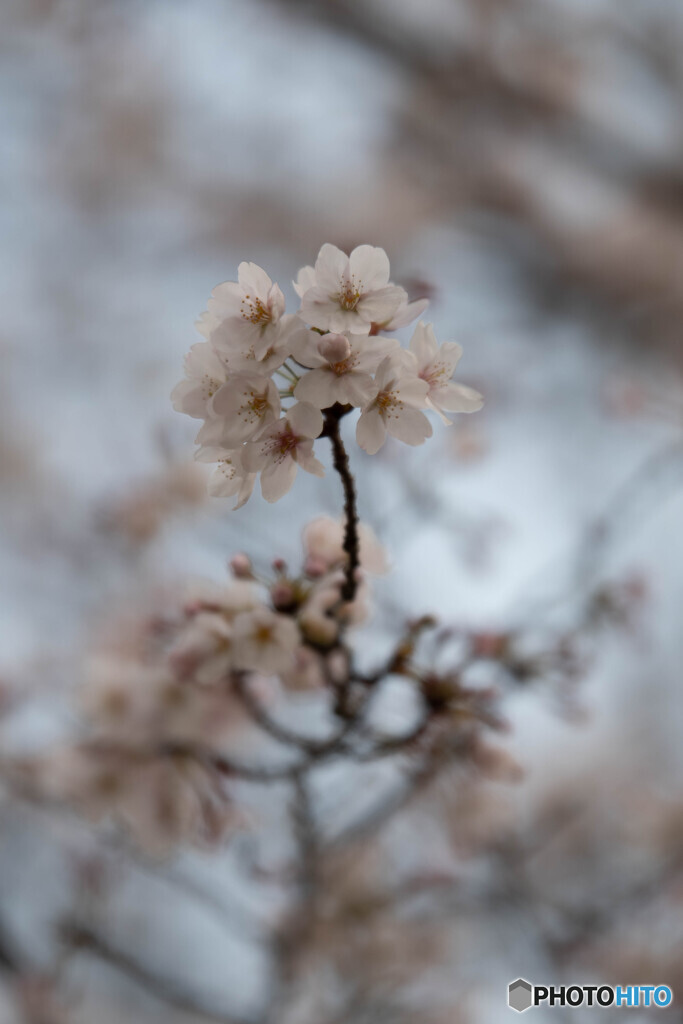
(263, 378)
(152, 705)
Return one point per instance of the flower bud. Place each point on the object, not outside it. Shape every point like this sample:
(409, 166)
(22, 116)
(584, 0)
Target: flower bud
(314, 566)
(282, 595)
(335, 348)
(240, 566)
(318, 628)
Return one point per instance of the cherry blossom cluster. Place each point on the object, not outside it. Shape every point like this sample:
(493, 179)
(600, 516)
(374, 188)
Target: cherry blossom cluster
(263, 379)
(159, 696)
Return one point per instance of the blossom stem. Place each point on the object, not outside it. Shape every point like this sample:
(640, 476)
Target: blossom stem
(291, 370)
(340, 460)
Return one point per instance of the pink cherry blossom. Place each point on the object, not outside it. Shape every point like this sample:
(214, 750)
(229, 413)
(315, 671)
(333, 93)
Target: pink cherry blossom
(240, 410)
(350, 292)
(436, 366)
(264, 640)
(342, 368)
(231, 477)
(250, 308)
(395, 408)
(241, 355)
(284, 445)
(205, 373)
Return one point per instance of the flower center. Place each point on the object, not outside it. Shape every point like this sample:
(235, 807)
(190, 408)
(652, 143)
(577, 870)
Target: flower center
(210, 386)
(227, 468)
(434, 374)
(258, 404)
(263, 634)
(254, 312)
(388, 403)
(345, 366)
(282, 445)
(349, 294)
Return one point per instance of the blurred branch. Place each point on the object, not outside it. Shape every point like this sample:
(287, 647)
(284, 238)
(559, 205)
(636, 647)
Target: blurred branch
(416, 780)
(11, 961)
(82, 938)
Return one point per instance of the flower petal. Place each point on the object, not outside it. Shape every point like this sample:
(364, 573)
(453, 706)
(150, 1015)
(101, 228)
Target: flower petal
(308, 461)
(370, 267)
(380, 305)
(449, 354)
(423, 345)
(354, 389)
(188, 397)
(330, 268)
(225, 300)
(277, 478)
(413, 390)
(456, 398)
(371, 431)
(317, 388)
(254, 281)
(321, 310)
(306, 420)
(304, 347)
(405, 314)
(411, 426)
(305, 279)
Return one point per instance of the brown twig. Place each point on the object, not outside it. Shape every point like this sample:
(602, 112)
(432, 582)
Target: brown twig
(341, 464)
(81, 937)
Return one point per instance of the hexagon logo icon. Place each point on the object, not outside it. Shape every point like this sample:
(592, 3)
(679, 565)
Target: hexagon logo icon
(519, 995)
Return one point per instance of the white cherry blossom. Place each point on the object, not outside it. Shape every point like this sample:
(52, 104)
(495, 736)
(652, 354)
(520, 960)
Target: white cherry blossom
(284, 445)
(241, 355)
(342, 368)
(436, 366)
(203, 649)
(395, 408)
(231, 478)
(256, 357)
(240, 411)
(350, 292)
(250, 308)
(264, 640)
(205, 373)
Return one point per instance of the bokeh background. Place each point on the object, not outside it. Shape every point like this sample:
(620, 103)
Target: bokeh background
(522, 163)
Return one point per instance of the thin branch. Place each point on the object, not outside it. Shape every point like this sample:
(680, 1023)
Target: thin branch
(340, 461)
(10, 960)
(274, 729)
(306, 834)
(386, 807)
(81, 937)
(210, 760)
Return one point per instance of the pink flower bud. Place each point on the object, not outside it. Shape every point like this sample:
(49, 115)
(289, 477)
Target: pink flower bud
(315, 566)
(334, 347)
(240, 566)
(282, 595)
